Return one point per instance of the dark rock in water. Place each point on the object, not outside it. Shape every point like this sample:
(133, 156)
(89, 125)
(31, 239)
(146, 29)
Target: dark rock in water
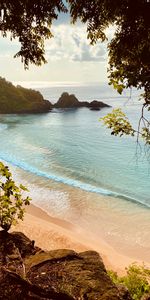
(67, 101)
(97, 105)
(27, 272)
(70, 101)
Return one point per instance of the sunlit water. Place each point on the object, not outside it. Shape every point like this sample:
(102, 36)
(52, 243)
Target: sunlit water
(68, 160)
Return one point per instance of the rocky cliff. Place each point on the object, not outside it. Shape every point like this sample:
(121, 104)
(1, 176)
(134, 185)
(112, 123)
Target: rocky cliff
(27, 272)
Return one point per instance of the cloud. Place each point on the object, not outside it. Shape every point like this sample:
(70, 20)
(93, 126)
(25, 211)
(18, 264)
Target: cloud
(70, 43)
(87, 54)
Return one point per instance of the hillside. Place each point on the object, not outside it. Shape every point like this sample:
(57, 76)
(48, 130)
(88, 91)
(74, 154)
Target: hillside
(21, 100)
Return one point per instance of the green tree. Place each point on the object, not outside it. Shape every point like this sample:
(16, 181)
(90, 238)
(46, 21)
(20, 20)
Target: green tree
(118, 122)
(30, 22)
(11, 200)
(129, 49)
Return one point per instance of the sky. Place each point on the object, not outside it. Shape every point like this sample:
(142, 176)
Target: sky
(70, 57)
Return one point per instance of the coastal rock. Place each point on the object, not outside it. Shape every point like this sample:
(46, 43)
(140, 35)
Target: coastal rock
(67, 101)
(54, 275)
(123, 292)
(97, 105)
(70, 101)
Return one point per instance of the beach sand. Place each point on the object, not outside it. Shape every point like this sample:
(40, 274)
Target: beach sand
(52, 233)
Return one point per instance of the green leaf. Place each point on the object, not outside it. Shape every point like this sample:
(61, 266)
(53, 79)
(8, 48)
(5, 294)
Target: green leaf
(11, 200)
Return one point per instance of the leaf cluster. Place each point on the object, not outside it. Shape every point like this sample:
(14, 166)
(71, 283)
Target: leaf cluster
(30, 22)
(136, 280)
(118, 123)
(11, 200)
(129, 50)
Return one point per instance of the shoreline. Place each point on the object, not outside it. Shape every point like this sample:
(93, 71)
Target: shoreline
(75, 184)
(52, 233)
(117, 229)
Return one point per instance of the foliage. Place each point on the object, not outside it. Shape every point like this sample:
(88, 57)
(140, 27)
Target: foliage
(18, 99)
(136, 280)
(128, 50)
(11, 201)
(118, 122)
(31, 25)
(120, 125)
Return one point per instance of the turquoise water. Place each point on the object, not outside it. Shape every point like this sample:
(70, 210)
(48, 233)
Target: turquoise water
(72, 146)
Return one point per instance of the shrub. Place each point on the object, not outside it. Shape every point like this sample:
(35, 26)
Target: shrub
(11, 200)
(136, 280)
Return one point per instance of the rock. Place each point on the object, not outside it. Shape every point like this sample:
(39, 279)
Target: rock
(97, 105)
(54, 275)
(67, 101)
(70, 101)
(81, 276)
(123, 292)
(25, 245)
(10, 255)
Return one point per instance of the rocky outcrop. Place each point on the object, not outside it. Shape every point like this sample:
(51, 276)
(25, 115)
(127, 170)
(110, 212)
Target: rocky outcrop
(97, 105)
(67, 101)
(70, 101)
(27, 272)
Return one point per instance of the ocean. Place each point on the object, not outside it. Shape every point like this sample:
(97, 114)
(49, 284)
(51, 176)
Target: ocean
(75, 169)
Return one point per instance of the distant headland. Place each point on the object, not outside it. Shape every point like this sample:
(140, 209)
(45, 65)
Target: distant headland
(19, 100)
(16, 100)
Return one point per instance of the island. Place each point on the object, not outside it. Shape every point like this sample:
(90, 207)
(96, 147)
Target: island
(70, 101)
(20, 100)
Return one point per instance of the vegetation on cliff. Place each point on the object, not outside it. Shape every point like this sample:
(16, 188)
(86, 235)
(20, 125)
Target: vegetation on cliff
(137, 281)
(12, 201)
(21, 100)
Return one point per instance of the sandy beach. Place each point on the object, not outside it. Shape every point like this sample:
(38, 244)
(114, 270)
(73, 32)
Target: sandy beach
(52, 233)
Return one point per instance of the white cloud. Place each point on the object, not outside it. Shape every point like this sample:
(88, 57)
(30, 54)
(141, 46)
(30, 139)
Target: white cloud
(70, 43)
(69, 55)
